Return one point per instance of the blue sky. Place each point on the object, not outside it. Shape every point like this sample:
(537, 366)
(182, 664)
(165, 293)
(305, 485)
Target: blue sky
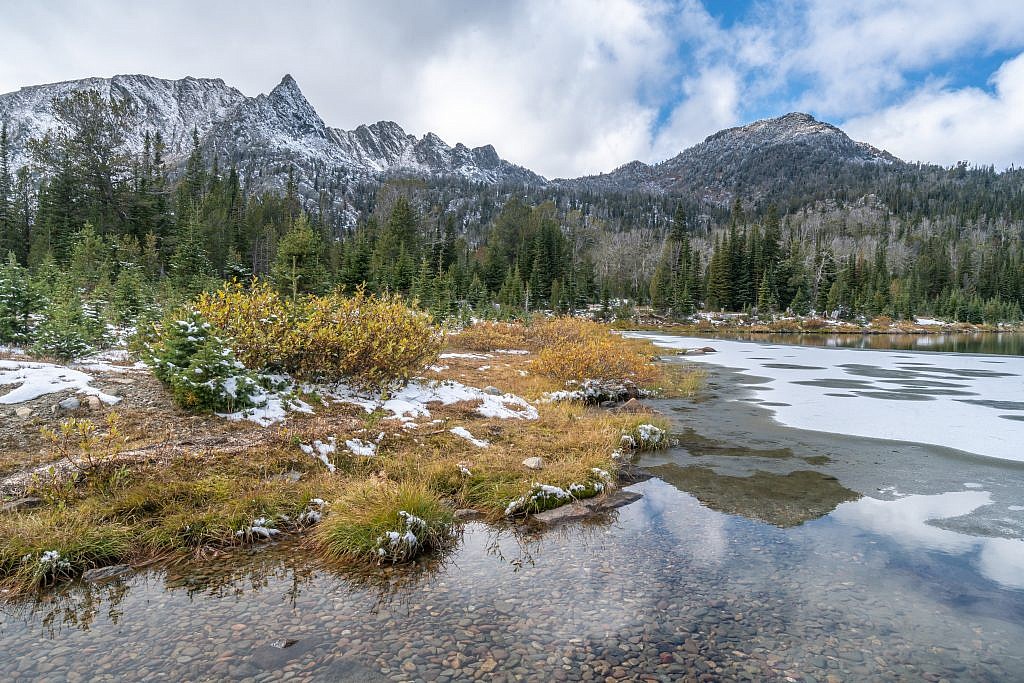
(568, 87)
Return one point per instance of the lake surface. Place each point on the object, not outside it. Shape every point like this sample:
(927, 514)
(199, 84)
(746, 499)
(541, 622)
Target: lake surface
(760, 551)
(1007, 343)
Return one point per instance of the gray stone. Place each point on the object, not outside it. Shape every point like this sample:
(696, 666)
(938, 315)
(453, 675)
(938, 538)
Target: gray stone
(534, 463)
(24, 411)
(573, 512)
(493, 391)
(94, 403)
(70, 403)
(106, 573)
(615, 499)
(25, 503)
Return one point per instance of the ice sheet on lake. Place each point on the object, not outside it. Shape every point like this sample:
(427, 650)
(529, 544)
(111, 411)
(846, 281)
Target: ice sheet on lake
(950, 400)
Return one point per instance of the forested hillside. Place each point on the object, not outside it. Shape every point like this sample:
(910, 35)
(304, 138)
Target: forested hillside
(99, 230)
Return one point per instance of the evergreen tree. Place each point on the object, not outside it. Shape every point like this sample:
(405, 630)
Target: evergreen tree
(299, 264)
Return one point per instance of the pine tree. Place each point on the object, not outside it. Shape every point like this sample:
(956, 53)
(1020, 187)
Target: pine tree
(299, 265)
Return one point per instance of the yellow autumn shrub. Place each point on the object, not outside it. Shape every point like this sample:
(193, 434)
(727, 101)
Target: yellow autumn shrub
(492, 336)
(259, 323)
(564, 330)
(368, 340)
(605, 358)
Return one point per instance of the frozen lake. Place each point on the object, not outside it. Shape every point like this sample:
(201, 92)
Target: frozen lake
(972, 403)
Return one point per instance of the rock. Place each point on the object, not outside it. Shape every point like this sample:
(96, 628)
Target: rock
(106, 573)
(493, 391)
(615, 499)
(634, 406)
(534, 463)
(708, 349)
(290, 476)
(94, 403)
(70, 403)
(573, 512)
(693, 352)
(467, 515)
(23, 412)
(283, 643)
(26, 503)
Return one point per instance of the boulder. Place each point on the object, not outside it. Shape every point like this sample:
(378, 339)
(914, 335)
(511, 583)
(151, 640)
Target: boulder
(94, 403)
(572, 512)
(634, 406)
(492, 391)
(708, 349)
(106, 573)
(534, 463)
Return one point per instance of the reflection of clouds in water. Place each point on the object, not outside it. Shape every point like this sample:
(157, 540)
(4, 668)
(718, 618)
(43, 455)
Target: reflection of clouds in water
(906, 521)
(695, 531)
(895, 399)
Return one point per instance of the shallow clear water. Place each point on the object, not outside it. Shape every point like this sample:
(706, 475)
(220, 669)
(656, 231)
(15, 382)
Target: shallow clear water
(759, 552)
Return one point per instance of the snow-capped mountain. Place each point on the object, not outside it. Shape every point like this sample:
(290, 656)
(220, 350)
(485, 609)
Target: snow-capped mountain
(259, 134)
(764, 156)
(272, 134)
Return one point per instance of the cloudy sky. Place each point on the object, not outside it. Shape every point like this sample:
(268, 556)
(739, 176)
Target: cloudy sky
(580, 86)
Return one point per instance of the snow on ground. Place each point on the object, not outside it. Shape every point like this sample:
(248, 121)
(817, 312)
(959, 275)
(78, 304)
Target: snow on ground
(411, 401)
(367, 449)
(272, 407)
(930, 321)
(111, 360)
(321, 450)
(465, 434)
(468, 356)
(38, 379)
(969, 402)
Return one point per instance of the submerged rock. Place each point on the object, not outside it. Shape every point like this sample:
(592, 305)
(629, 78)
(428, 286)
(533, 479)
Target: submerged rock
(584, 509)
(467, 515)
(106, 573)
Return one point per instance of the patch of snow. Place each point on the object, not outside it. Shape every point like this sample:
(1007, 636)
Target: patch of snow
(468, 356)
(271, 407)
(483, 368)
(261, 528)
(366, 449)
(929, 321)
(320, 450)
(513, 352)
(39, 379)
(411, 401)
(465, 434)
(437, 368)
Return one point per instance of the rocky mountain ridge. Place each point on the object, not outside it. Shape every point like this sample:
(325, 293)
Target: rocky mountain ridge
(268, 135)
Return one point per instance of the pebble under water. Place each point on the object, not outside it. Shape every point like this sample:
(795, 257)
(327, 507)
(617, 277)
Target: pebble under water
(667, 589)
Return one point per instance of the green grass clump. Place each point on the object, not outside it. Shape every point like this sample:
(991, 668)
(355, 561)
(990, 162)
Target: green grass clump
(384, 522)
(42, 548)
(645, 434)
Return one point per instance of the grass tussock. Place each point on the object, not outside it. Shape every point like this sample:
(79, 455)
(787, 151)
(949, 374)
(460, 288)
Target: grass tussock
(43, 547)
(381, 521)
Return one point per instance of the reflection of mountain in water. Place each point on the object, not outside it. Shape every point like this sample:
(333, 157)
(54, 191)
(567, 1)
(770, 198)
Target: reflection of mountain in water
(785, 500)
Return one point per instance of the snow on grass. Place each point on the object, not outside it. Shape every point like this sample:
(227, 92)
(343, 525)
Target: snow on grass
(410, 402)
(465, 434)
(262, 528)
(320, 450)
(366, 449)
(39, 379)
(513, 352)
(930, 321)
(467, 356)
(111, 360)
(945, 399)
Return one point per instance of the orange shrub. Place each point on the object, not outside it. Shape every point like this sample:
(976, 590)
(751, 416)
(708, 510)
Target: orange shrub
(607, 358)
(491, 336)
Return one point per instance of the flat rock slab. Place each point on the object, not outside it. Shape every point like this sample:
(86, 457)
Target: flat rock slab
(584, 509)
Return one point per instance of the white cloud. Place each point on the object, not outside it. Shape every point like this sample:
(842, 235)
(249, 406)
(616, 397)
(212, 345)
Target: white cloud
(949, 125)
(563, 87)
